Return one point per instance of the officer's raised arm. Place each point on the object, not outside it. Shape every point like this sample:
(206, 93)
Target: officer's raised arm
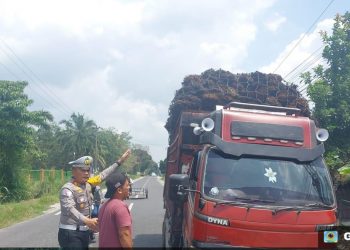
(96, 180)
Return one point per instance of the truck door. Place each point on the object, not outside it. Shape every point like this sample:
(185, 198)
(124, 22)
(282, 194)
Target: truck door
(189, 206)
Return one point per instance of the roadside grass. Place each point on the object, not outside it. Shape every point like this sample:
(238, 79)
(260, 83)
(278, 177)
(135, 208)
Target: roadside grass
(14, 212)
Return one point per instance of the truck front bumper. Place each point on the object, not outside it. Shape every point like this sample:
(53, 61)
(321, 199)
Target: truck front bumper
(201, 244)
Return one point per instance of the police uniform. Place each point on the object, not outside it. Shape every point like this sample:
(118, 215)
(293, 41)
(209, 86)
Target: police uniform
(76, 200)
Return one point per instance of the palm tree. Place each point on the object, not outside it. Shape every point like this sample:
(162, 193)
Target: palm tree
(79, 136)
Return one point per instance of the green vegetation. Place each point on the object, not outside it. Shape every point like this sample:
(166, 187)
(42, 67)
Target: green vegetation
(162, 166)
(329, 90)
(16, 135)
(32, 141)
(25, 209)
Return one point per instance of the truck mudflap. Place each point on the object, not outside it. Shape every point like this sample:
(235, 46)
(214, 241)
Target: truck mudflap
(239, 149)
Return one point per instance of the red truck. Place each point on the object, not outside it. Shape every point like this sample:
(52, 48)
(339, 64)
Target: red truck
(247, 175)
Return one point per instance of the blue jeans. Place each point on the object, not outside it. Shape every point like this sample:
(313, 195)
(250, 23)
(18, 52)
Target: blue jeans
(94, 213)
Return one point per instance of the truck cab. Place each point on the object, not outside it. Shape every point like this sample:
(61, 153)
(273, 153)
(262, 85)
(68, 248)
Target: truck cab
(254, 176)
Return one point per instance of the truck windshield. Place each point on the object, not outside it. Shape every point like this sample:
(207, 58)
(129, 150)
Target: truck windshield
(256, 180)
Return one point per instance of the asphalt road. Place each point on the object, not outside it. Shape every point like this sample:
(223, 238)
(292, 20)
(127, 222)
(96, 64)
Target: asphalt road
(147, 216)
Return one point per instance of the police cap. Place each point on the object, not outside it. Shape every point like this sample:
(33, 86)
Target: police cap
(82, 162)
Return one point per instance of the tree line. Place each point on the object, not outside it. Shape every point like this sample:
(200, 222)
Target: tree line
(31, 140)
(328, 87)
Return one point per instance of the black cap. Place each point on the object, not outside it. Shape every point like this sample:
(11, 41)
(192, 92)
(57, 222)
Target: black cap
(114, 181)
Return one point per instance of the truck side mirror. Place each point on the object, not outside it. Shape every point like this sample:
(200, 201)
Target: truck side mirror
(177, 185)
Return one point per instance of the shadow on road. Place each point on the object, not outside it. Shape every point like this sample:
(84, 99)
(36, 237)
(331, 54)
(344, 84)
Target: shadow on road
(148, 240)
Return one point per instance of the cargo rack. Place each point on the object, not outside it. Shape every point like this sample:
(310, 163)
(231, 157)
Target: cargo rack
(241, 105)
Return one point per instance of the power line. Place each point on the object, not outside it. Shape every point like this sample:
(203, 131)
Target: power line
(305, 67)
(308, 31)
(304, 87)
(16, 77)
(47, 92)
(29, 85)
(305, 60)
(35, 75)
(8, 70)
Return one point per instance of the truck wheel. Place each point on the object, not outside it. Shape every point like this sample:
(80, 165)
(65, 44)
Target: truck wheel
(165, 241)
(163, 235)
(184, 243)
(177, 241)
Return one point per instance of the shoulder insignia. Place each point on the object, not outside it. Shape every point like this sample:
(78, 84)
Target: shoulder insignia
(67, 192)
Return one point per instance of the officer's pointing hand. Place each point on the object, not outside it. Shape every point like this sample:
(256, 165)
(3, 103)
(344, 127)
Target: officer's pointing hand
(124, 156)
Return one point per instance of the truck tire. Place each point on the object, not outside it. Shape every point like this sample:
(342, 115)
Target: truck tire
(184, 243)
(169, 241)
(164, 233)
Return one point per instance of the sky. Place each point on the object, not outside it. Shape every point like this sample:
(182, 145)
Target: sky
(119, 62)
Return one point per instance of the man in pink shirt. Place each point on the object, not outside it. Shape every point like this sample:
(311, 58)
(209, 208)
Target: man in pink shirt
(114, 217)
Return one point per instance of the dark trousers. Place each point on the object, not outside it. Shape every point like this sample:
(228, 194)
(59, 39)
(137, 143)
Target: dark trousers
(73, 239)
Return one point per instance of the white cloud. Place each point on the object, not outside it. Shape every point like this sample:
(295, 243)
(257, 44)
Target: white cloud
(275, 22)
(100, 101)
(303, 50)
(77, 18)
(116, 54)
(120, 62)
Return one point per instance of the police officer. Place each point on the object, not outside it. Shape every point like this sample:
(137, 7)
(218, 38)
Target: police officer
(76, 199)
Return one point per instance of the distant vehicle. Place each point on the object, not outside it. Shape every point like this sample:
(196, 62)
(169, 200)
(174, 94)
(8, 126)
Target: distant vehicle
(138, 193)
(153, 174)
